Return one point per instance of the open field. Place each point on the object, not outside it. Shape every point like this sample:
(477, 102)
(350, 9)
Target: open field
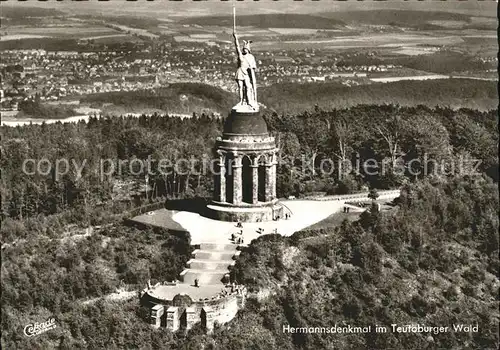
(428, 77)
(65, 32)
(26, 121)
(324, 31)
(278, 20)
(13, 122)
(294, 31)
(335, 219)
(486, 45)
(138, 31)
(115, 39)
(189, 39)
(163, 29)
(21, 36)
(449, 23)
(393, 40)
(414, 19)
(59, 30)
(417, 77)
(203, 36)
(492, 21)
(106, 36)
(415, 50)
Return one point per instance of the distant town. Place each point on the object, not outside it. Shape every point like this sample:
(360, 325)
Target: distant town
(53, 57)
(53, 75)
(56, 74)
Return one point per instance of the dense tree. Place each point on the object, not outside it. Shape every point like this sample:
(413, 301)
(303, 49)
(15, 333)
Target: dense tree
(406, 267)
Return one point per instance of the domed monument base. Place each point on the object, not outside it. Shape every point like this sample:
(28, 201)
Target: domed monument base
(245, 213)
(245, 185)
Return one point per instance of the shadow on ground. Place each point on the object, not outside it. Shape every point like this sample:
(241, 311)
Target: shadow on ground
(193, 205)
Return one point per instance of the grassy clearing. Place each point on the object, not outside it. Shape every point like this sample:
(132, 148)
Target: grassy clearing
(335, 220)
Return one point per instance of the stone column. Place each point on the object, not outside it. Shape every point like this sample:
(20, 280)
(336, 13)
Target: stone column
(209, 318)
(156, 314)
(173, 318)
(255, 182)
(237, 180)
(268, 182)
(222, 178)
(190, 317)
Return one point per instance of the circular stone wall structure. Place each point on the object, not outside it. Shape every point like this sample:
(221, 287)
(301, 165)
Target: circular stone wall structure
(245, 181)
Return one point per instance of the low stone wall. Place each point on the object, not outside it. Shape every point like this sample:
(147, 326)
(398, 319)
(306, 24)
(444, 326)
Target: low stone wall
(128, 220)
(182, 312)
(220, 309)
(242, 214)
(358, 196)
(146, 208)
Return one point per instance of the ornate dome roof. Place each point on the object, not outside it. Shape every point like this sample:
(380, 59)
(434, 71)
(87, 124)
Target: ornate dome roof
(245, 123)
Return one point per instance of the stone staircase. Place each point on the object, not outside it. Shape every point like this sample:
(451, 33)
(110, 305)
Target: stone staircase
(209, 264)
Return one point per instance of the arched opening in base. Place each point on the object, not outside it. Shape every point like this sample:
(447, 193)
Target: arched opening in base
(246, 177)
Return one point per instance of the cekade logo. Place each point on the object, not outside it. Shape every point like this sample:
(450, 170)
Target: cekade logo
(38, 328)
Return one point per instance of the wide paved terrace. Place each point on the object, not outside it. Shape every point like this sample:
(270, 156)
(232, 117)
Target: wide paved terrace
(163, 292)
(205, 230)
(216, 251)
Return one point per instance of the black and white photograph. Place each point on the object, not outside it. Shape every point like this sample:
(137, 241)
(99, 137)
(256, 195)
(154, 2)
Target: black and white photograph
(249, 175)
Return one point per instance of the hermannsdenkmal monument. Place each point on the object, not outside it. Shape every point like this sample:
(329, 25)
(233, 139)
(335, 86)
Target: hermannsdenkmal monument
(244, 206)
(245, 191)
(245, 185)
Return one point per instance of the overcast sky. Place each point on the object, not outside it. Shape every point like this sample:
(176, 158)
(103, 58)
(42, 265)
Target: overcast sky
(165, 8)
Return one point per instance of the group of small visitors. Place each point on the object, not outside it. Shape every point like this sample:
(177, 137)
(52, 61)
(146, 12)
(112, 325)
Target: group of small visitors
(346, 209)
(237, 237)
(233, 286)
(287, 216)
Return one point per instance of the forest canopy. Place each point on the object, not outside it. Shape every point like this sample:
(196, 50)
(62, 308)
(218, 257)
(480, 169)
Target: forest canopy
(401, 134)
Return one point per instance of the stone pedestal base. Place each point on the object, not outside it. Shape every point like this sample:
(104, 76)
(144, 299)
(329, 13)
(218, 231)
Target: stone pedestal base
(245, 213)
